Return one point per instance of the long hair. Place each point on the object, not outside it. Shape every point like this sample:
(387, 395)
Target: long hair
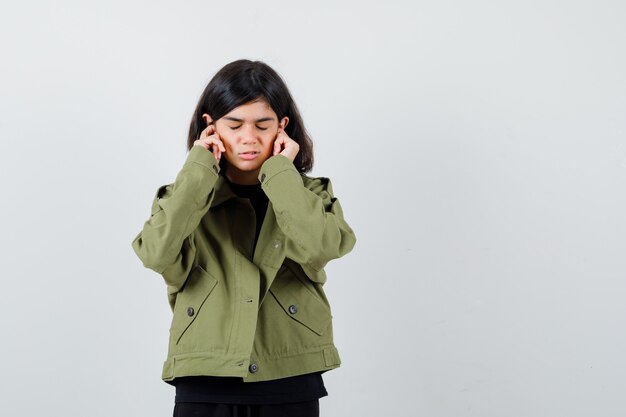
(241, 82)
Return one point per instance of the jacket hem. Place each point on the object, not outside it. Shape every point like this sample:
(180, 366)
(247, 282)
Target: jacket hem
(267, 368)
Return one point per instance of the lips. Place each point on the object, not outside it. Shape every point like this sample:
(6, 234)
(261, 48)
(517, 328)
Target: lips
(248, 155)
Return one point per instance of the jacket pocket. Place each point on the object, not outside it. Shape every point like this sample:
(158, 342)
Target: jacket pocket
(190, 300)
(300, 303)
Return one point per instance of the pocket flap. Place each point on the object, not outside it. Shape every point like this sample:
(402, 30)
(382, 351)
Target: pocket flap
(300, 303)
(190, 299)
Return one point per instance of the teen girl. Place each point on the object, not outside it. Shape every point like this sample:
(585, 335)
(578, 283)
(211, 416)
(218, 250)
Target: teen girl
(241, 238)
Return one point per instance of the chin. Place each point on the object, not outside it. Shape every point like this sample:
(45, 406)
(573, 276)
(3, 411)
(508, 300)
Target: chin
(247, 167)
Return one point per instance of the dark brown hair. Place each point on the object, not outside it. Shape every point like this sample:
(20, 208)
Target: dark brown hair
(241, 82)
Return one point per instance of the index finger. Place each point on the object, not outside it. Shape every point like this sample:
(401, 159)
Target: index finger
(277, 145)
(207, 130)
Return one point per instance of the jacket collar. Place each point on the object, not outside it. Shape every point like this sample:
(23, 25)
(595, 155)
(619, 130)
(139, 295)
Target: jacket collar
(222, 192)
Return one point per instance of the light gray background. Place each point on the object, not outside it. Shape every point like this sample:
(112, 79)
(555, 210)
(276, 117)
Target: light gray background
(478, 149)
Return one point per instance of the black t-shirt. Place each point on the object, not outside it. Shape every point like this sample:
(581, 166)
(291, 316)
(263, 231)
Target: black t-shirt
(232, 390)
(257, 198)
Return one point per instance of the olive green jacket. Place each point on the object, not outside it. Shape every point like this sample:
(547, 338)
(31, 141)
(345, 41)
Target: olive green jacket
(259, 314)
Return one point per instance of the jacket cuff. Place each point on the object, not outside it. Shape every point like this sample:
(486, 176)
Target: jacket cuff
(202, 156)
(274, 166)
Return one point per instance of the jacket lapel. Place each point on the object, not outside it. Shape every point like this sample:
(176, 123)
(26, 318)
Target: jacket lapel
(269, 253)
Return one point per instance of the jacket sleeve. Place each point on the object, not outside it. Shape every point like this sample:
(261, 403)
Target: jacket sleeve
(166, 242)
(309, 215)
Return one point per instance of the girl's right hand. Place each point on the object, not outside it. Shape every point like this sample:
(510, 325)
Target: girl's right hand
(211, 141)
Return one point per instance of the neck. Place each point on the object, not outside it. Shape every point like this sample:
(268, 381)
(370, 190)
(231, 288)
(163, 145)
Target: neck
(242, 177)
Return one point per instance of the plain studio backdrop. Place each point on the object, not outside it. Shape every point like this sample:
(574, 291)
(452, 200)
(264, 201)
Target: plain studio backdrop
(478, 149)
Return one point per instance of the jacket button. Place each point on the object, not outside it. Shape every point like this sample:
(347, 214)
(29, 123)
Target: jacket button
(262, 177)
(190, 311)
(253, 368)
(293, 309)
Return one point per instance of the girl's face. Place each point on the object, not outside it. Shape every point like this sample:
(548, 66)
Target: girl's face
(248, 133)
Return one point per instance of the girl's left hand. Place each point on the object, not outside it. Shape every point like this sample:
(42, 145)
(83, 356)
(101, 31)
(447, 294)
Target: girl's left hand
(284, 145)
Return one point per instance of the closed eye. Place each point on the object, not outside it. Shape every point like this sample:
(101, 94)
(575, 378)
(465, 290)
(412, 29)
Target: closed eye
(237, 127)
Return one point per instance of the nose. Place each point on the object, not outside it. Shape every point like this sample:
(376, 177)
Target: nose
(248, 135)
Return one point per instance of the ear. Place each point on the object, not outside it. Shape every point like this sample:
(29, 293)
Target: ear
(283, 122)
(207, 119)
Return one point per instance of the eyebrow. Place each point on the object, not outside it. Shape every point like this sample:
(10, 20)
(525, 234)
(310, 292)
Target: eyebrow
(234, 119)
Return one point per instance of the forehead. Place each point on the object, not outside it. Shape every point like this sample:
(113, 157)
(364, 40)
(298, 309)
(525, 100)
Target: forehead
(252, 111)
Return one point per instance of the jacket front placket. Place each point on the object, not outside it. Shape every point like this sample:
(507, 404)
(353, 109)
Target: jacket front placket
(270, 251)
(246, 278)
